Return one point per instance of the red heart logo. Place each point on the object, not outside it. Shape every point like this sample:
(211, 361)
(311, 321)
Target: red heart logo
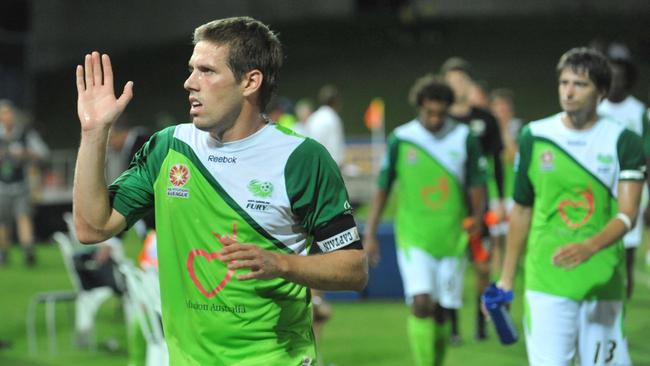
(209, 256)
(442, 187)
(587, 201)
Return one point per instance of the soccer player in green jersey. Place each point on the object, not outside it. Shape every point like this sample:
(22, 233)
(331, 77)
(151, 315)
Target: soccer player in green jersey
(239, 203)
(577, 189)
(438, 164)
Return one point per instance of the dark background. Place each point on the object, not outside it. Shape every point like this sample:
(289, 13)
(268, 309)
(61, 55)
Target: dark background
(369, 48)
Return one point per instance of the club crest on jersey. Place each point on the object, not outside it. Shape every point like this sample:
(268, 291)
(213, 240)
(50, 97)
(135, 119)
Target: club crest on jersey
(260, 189)
(411, 156)
(605, 161)
(547, 159)
(179, 174)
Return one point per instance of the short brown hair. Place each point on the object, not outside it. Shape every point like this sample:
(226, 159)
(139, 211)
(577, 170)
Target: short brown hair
(589, 61)
(252, 46)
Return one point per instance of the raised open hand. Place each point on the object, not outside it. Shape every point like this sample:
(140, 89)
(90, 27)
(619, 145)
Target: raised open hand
(96, 103)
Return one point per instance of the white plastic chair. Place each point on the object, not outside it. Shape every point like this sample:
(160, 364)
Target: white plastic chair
(144, 301)
(87, 303)
(117, 251)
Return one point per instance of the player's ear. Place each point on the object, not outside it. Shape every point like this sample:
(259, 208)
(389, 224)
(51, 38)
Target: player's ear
(252, 82)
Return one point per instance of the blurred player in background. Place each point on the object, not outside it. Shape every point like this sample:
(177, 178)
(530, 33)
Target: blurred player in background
(577, 190)
(502, 107)
(325, 125)
(625, 109)
(437, 163)
(20, 147)
(458, 74)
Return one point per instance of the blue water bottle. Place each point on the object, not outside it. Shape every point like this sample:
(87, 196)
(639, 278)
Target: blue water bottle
(495, 300)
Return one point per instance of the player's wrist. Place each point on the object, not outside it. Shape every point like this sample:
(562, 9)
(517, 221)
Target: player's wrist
(592, 246)
(505, 283)
(283, 264)
(97, 134)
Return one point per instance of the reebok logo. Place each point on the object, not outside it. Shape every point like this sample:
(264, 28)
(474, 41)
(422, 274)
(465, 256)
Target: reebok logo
(222, 159)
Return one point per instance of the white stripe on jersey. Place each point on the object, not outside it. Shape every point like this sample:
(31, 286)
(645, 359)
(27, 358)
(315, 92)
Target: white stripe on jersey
(261, 157)
(449, 150)
(594, 149)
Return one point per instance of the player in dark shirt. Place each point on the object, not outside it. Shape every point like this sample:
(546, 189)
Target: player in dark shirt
(457, 73)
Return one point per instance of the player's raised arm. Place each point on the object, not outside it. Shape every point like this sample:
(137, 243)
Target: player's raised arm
(96, 103)
(98, 109)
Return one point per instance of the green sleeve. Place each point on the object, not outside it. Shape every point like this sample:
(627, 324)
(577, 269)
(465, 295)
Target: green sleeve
(314, 186)
(524, 193)
(476, 168)
(630, 156)
(645, 134)
(132, 192)
(387, 171)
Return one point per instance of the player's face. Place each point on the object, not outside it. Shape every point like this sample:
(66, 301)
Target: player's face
(215, 96)
(6, 116)
(460, 83)
(433, 114)
(578, 94)
(501, 109)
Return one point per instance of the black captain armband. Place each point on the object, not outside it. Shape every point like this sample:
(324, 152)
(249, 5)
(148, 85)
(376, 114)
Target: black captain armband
(339, 234)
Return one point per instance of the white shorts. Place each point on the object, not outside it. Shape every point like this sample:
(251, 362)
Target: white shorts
(441, 278)
(633, 238)
(557, 327)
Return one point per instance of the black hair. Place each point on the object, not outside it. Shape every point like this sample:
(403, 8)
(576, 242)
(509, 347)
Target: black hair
(430, 87)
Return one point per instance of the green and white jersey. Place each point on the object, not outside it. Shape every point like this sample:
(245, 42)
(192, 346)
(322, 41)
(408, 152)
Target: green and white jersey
(628, 113)
(433, 171)
(570, 178)
(274, 189)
